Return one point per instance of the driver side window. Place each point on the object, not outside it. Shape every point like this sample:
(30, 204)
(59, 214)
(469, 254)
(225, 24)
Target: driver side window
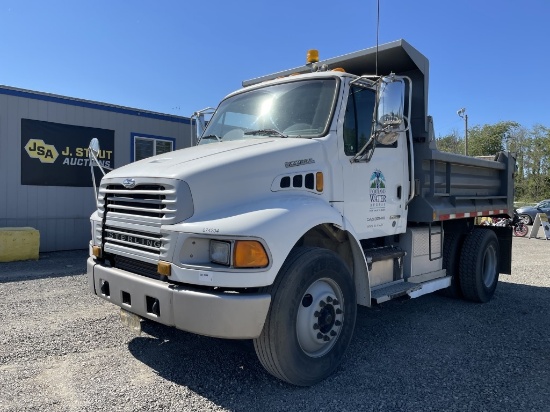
(358, 119)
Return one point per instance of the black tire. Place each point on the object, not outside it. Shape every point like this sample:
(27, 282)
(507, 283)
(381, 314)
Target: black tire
(451, 260)
(311, 318)
(478, 269)
(526, 219)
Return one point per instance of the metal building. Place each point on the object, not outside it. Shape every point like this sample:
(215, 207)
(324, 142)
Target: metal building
(45, 178)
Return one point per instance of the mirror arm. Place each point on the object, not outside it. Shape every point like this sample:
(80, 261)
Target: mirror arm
(359, 155)
(198, 116)
(93, 150)
(408, 131)
(94, 158)
(95, 187)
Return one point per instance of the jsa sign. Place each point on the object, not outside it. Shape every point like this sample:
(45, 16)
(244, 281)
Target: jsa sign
(37, 149)
(55, 154)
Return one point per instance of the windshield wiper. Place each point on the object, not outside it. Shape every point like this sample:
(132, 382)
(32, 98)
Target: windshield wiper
(266, 132)
(212, 136)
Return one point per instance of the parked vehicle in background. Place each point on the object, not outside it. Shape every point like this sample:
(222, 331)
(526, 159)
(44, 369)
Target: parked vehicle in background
(527, 214)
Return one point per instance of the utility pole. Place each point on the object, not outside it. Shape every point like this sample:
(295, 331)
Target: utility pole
(462, 114)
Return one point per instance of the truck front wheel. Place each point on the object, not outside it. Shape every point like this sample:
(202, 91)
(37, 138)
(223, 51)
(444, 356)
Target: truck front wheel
(311, 319)
(479, 265)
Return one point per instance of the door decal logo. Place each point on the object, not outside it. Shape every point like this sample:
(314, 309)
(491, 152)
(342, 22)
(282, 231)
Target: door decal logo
(377, 191)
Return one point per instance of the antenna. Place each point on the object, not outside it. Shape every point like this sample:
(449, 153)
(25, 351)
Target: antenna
(377, 32)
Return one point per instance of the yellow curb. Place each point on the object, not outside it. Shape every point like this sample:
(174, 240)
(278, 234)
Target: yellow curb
(19, 243)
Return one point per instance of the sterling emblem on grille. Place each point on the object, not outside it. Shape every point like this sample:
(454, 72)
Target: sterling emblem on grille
(134, 239)
(129, 183)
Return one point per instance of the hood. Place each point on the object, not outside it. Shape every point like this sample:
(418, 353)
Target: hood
(224, 175)
(170, 165)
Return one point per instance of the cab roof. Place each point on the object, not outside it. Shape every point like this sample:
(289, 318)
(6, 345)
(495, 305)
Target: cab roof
(398, 57)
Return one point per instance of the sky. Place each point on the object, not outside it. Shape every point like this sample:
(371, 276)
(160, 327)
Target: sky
(490, 57)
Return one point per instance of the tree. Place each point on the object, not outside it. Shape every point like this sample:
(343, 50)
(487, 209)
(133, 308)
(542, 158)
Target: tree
(451, 143)
(536, 164)
(519, 144)
(531, 147)
(489, 139)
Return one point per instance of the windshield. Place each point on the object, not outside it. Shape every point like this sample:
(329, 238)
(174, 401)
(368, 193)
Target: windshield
(294, 109)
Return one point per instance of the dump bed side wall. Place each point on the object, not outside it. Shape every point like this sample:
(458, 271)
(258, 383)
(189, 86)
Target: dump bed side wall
(448, 184)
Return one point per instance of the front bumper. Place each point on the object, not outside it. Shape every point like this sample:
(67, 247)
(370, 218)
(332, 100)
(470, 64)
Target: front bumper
(222, 315)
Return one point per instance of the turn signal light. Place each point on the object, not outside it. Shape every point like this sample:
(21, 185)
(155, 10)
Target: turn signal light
(96, 251)
(163, 268)
(249, 254)
(319, 181)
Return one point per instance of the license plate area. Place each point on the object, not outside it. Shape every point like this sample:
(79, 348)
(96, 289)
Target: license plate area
(131, 321)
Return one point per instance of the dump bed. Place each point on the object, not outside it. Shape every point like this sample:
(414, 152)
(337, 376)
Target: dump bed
(446, 185)
(449, 186)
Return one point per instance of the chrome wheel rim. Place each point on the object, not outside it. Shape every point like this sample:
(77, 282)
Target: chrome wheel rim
(320, 317)
(489, 266)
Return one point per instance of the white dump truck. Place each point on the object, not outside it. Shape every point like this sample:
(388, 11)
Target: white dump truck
(310, 191)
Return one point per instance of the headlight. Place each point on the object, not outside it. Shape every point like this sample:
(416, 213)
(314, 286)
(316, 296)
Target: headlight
(245, 253)
(220, 252)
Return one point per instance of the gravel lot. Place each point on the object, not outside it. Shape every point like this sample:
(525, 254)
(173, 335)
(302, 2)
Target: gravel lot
(62, 349)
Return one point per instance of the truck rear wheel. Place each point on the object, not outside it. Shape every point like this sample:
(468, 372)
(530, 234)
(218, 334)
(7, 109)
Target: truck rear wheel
(479, 265)
(311, 319)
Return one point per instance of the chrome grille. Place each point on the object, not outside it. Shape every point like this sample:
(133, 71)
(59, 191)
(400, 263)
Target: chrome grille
(152, 202)
(157, 201)
(131, 219)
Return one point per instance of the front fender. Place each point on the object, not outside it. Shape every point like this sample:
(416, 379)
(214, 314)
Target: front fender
(279, 223)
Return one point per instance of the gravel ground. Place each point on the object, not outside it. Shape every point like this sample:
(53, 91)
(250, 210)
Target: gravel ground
(62, 349)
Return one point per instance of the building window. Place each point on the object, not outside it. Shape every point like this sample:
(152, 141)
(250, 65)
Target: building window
(144, 146)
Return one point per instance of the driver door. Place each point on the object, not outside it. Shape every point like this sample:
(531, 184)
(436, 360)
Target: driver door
(375, 191)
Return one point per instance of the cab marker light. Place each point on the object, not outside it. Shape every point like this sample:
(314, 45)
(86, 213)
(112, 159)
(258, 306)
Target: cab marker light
(319, 181)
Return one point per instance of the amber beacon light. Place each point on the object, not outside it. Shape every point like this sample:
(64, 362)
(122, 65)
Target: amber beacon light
(312, 56)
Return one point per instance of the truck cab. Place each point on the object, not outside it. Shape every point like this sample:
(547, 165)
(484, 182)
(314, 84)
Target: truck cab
(336, 115)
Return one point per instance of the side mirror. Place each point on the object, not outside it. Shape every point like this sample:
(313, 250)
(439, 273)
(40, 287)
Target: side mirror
(94, 147)
(93, 154)
(390, 110)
